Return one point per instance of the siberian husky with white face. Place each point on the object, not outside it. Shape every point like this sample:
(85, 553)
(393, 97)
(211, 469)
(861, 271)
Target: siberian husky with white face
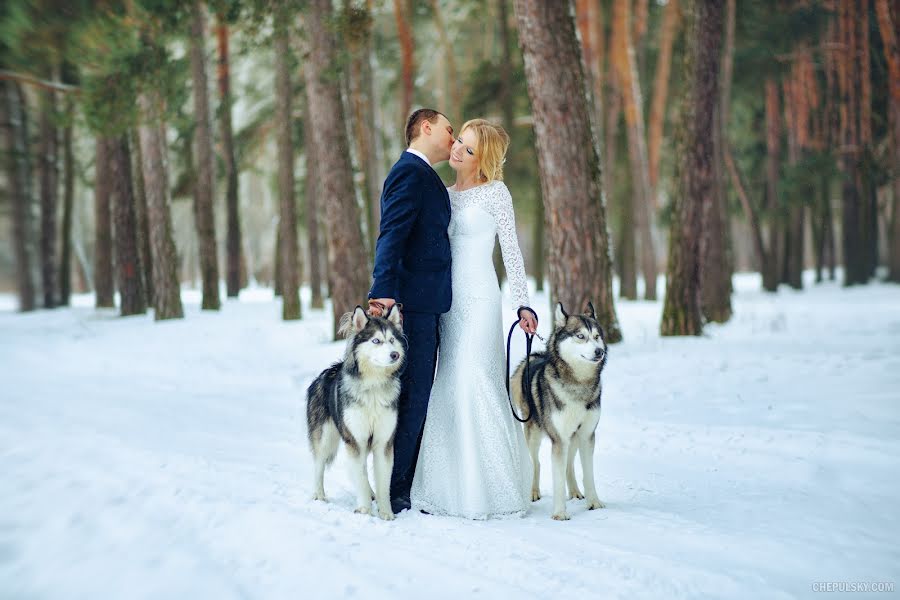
(355, 400)
(562, 395)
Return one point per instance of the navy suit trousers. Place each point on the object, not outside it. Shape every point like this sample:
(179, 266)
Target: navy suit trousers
(422, 334)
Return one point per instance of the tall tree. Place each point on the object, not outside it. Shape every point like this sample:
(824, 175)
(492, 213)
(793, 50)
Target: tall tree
(15, 151)
(668, 30)
(141, 217)
(623, 61)
(104, 282)
(717, 260)
(204, 184)
(772, 271)
(571, 180)
(233, 229)
(888, 23)
(313, 192)
(128, 266)
(287, 223)
(166, 292)
(48, 174)
(407, 53)
(348, 271)
(697, 186)
(65, 259)
(358, 36)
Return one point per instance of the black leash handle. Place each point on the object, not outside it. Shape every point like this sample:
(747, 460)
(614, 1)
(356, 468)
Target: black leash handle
(526, 376)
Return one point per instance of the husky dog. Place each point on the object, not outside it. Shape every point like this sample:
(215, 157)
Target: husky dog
(355, 400)
(564, 403)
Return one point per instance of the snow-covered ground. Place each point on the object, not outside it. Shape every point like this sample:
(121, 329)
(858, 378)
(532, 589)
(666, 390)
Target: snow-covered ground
(169, 460)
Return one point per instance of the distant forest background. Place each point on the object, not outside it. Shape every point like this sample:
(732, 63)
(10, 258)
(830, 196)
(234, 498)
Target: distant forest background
(153, 144)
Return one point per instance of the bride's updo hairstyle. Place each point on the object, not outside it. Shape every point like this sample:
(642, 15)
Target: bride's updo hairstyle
(491, 144)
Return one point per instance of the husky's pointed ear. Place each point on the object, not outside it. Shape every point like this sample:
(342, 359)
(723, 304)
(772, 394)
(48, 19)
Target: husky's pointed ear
(560, 315)
(394, 316)
(591, 310)
(360, 318)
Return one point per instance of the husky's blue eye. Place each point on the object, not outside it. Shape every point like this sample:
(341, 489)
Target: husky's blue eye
(580, 336)
(376, 341)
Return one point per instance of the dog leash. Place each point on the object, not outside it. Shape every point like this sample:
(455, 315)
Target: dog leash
(526, 375)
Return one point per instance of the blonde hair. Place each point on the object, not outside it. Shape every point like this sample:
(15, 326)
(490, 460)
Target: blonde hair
(491, 144)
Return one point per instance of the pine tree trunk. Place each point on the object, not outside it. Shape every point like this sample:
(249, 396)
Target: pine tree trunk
(48, 174)
(348, 271)
(569, 166)
(407, 50)
(538, 235)
(15, 155)
(695, 198)
(204, 184)
(104, 283)
(65, 260)
(661, 89)
(448, 58)
(140, 213)
(623, 61)
(287, 219)
(166, 292)
(888, 23)
(313, 191)
(128, 265)
(771, 270)
(626, 249)
(793, 247)
(359, 41)
(589, 15)
(233, 232)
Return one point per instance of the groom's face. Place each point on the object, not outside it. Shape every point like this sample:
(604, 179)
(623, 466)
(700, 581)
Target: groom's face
(442, 134)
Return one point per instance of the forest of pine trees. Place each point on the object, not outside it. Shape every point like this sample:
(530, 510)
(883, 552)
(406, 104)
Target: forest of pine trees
(147, 146)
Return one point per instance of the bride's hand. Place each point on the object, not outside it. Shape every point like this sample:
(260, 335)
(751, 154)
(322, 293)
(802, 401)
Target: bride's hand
(527, 321)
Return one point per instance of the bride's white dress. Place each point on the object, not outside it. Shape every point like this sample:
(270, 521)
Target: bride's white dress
(473, 461)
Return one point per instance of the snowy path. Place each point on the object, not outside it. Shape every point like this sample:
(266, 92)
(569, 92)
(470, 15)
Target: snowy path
(169, 460)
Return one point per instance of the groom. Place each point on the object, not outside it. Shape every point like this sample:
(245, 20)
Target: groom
(412, 267)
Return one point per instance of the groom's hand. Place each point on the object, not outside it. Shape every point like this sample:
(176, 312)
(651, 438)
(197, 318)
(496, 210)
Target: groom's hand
(378, 307)
(527, 321)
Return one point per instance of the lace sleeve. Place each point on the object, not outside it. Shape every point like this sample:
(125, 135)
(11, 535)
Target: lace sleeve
(509, 246)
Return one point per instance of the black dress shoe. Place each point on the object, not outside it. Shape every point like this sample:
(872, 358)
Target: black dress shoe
(398, 505)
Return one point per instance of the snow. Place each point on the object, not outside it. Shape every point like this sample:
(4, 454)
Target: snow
(169, 460)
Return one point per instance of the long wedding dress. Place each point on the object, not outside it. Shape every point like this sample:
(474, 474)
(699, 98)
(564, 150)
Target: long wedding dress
(473, 460)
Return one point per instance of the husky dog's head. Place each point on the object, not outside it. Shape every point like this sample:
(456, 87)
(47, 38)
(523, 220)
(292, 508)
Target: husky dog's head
(375, 345)
(579, 342)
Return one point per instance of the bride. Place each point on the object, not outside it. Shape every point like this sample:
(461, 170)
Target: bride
(473, 461)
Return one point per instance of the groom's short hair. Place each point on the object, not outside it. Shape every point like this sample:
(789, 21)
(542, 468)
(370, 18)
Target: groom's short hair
(415, 122)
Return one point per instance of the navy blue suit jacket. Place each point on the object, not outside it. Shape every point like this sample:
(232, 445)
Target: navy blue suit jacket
(412, 255)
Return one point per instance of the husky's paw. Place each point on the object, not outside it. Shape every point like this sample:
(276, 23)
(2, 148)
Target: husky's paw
(319, 496)
(363, 510)
(560, 516)
(576, 495)
(535, 495)
(594, 504)
(386, 514)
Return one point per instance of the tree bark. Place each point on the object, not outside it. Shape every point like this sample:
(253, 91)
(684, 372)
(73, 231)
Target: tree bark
(589, 15)
(348, 269)
(661, 90)
(771, 271)
(287, 220)
(15, 136)
(623, 61)
(311, 198)
(141, 220)
(887, 26)
(104, 282)
(358, 36)
(204, 184)
(407, 51)
(65, 260)
(571, 180)
(697, 190)
(233, 243)
(166, 292)
(128, 265)
(48, 173)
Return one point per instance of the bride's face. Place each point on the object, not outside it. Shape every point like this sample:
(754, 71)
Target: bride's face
(462, 155)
